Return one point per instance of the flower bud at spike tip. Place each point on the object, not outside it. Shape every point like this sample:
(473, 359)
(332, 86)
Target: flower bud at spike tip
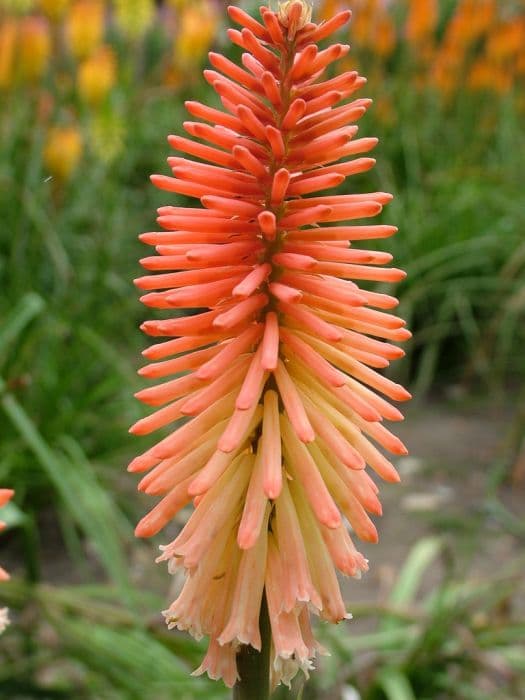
(281, 405)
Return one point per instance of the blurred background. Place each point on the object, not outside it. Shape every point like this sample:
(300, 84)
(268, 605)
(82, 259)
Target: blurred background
(89, 89)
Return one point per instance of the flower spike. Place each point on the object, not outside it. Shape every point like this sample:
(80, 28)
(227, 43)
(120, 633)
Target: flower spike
(277, 372)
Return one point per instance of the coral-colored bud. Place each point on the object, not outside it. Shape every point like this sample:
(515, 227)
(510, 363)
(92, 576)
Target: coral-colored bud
(296, 12)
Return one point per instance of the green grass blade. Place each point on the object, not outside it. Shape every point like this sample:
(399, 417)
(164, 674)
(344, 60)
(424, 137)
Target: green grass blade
(409, 579)
(86, 500)
(19, 317)
(395, 685)
(134, 661)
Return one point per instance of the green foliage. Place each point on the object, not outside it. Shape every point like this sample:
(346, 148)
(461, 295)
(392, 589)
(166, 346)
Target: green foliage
(458, 639)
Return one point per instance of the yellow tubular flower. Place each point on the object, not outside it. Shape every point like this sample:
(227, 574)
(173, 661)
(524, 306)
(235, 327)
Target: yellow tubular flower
(34, 48)
(106, 136)
(8, 36)
(84, 27)
(97, 75)
(197, 28)
(134, 17)
(62, 151)
(54, 9)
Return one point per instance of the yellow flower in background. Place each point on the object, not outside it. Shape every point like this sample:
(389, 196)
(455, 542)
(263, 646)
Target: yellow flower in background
(178, 4)
(54, 9)
(20, 7)
(34, 48)
(62, 151)
(8, 36)
(197, 29)
(97, 75)
(106, 136)
(134, 17)
(84, 27)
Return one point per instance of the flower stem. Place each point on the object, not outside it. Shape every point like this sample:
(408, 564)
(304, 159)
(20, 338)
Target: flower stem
(254, 666)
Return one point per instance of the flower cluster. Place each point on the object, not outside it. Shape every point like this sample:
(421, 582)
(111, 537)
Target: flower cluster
(277, 368)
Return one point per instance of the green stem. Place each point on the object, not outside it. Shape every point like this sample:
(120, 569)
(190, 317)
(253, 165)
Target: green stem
(254, 666)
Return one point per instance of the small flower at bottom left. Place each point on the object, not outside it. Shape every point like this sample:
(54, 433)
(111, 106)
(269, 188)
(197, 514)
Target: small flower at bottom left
(5, 496)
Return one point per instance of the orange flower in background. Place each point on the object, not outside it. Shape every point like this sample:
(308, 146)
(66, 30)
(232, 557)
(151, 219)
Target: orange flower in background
(197, 24)
(84, 27)
(278, 374)
(485, 75)
(62, 151)
(421, 21)
(471, 20)
(8, 39)
(384, 35)
(33, 48)
(97, 75)
(5, 496)
(506, 41)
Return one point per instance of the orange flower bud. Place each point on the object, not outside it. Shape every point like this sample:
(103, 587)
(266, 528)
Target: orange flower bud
(84, 27)
(62, 151)
(97, 75)
(34, 48)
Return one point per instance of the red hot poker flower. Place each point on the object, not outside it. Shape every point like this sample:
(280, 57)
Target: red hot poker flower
(277, 373)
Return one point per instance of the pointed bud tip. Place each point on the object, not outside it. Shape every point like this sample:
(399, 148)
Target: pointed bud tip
(143, 530)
